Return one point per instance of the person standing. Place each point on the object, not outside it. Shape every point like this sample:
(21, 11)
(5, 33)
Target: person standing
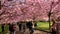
(29, 25)
(11, 28)
(2, 27)
(19, 25)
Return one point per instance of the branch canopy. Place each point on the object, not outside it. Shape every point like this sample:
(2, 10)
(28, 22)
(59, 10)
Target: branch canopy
(27, 10)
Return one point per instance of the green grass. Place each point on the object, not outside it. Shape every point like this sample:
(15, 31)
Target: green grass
(43, 25)
(5, 29)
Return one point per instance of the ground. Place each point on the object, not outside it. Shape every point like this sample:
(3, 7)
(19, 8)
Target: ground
(36, 32)
(40, 32)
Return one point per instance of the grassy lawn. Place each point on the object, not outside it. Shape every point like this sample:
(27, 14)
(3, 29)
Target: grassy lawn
(5, 29)
(43, 25)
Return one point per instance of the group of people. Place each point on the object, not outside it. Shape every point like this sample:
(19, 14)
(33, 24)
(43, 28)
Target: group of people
(21, 26)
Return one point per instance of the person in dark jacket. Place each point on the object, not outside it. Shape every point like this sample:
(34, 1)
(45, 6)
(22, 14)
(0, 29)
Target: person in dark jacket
(11, 28)
(3, 27)
(19, 25)
(29, 25)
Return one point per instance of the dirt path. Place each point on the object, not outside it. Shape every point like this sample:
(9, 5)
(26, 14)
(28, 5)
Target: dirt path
(40, 32)
(37, 32)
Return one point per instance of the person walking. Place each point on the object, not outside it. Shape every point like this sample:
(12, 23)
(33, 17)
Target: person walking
(29, 25)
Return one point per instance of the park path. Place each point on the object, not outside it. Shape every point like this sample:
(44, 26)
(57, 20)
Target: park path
(40, 32)
(36, 32)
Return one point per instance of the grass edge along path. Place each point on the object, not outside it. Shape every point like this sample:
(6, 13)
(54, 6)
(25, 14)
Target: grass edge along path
(43, 25)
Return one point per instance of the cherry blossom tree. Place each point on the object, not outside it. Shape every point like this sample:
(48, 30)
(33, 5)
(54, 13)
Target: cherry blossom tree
(28, 9)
